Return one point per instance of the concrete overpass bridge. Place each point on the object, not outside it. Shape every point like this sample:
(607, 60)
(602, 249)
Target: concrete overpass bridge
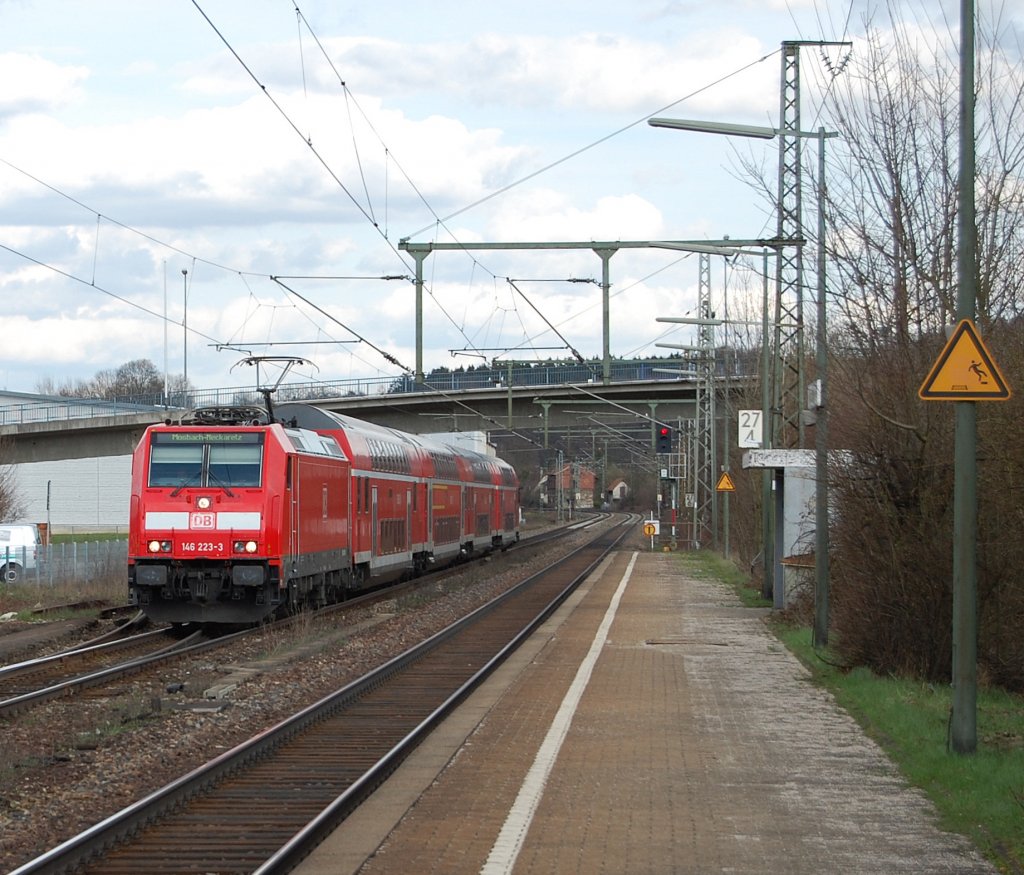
(570, 417)
(78, 452)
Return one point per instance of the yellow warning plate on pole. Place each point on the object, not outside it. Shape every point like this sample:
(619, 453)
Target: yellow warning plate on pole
(725, 483)
(964, 370)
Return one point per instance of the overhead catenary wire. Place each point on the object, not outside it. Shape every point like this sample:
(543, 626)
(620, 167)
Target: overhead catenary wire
(369, 213)
(547, 322)
(124, 226)
(388, 357)
(244, 275)
(349, 97)
(541, 170)
(308, 141)
(194, 259)
(92, 284)
(390, 159)
(441, 222)
(350, 102)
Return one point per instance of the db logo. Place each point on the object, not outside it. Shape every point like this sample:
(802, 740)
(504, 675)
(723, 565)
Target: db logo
(202, 521)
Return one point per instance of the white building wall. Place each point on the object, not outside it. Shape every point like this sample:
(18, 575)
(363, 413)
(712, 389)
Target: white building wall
(475, 441)
(87, 493)
(798, 534)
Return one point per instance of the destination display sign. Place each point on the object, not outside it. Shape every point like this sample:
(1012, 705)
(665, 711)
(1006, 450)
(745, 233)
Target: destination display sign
(208, 437)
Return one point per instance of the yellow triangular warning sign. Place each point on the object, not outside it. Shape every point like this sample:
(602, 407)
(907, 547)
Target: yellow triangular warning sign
(964, 370)
(725, 483)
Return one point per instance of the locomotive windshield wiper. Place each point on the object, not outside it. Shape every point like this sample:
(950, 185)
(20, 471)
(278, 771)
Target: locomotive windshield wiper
(186, 482)
(213, 478)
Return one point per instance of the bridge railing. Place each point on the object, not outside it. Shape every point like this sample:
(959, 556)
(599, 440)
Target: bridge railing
(56, 409)
(486, 377)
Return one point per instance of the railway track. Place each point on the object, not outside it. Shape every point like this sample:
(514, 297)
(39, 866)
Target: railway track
(264, 804)
(118, 654)
(32, 682)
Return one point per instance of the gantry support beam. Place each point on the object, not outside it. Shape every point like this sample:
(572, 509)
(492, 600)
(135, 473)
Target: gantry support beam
(604, 251)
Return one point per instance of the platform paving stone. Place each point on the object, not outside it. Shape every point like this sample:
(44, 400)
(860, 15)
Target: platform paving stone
(699, 746)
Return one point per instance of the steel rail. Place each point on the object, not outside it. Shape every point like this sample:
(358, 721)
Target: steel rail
(86, 649)
(17, 704)
(299, 846)
(14, 705)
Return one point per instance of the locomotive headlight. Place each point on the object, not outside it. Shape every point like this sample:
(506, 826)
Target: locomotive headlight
(245, 546)
(203, 502)
(159, 546)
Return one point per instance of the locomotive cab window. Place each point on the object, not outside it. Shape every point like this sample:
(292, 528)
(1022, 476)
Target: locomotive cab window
(206, 459)
(235, 465)
(174, 465)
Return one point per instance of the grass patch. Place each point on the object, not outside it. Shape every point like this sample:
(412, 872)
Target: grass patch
(24, 596)
(980, 795)
(83, 537)
(703, 563)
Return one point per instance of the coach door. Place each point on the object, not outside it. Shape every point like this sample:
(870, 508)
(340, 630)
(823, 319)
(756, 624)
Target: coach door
(428, 508)
(409, 498)
(293, 510)
(373, 522)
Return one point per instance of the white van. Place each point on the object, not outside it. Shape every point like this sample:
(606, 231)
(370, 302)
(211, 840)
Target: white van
(19, 545)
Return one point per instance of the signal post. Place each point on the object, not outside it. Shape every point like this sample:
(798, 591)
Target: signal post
(664, 440)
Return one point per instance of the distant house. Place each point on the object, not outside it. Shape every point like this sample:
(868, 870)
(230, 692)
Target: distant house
(617, 491)
(577, 487)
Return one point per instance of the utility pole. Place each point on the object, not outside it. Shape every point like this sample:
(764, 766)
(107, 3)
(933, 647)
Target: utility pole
(786, 428)
(707, 497)
(964, 721)
(184, 330)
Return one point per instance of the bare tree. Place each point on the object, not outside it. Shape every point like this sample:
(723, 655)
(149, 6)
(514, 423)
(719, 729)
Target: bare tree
(892, 253)
(892, 212)
(12, 505)
(136, 381)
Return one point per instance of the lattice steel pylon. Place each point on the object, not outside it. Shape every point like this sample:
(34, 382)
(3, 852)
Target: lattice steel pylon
(787, 428)
(705, 511)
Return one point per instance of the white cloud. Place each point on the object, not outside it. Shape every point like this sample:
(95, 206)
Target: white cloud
(543, 214)
(153, 123)
(35, 84)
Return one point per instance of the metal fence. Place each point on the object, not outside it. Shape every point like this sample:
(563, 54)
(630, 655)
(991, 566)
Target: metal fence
(76, 561)
(60, 409)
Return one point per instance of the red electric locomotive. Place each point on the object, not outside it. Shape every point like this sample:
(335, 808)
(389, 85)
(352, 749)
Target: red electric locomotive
(234, 518)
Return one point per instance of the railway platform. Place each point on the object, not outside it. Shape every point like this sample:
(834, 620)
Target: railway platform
(652, 725)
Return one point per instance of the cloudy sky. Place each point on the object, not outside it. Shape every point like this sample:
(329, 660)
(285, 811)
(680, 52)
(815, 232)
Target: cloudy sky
(240, 141)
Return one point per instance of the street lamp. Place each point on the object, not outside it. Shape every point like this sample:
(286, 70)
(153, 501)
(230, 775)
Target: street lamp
(184, 327)
(821, 542)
